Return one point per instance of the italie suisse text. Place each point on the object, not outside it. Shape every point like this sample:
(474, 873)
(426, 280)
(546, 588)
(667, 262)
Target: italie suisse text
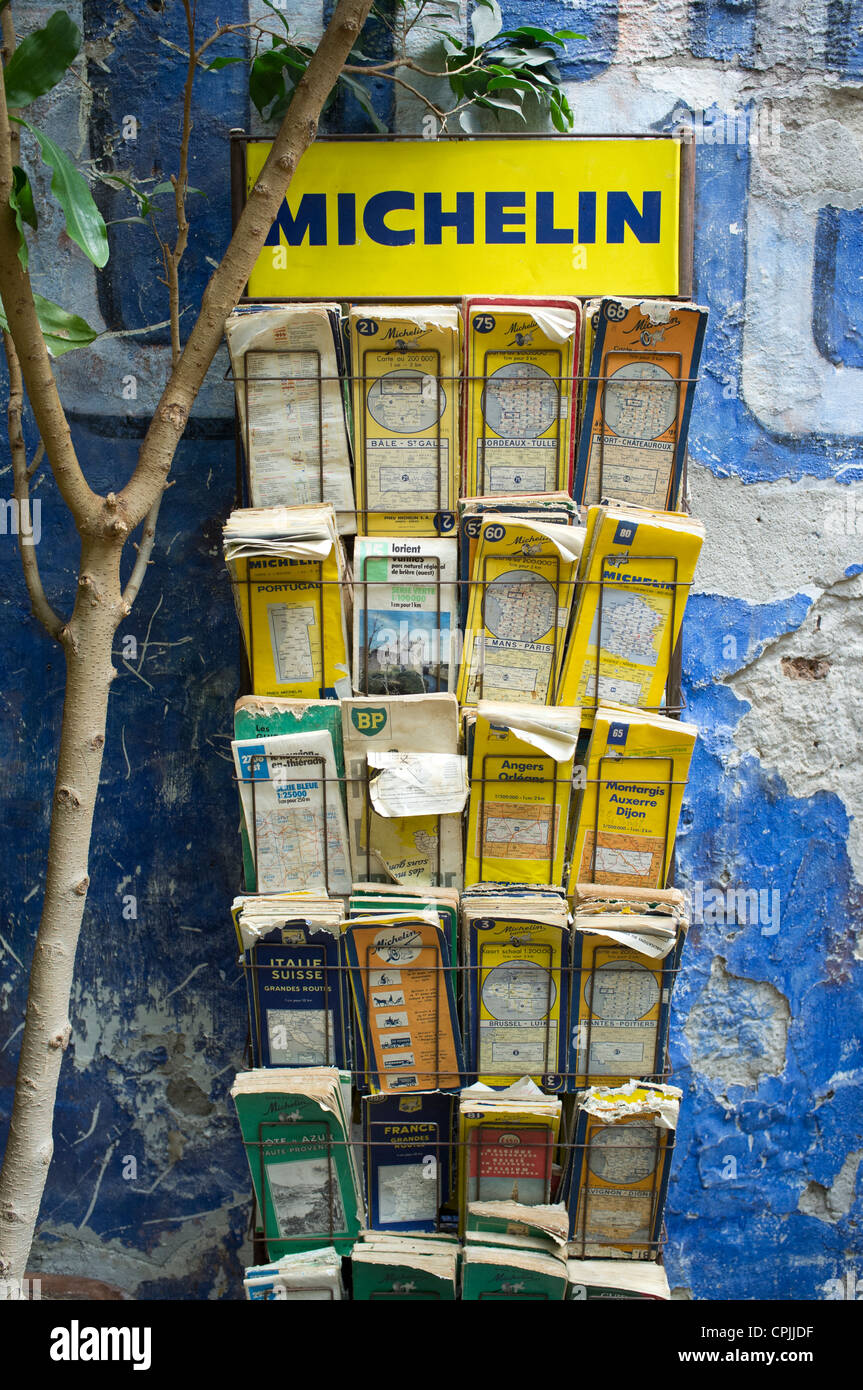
(397, 217)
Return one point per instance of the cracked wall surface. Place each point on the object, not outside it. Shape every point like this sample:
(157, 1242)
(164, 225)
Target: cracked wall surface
(754, 1048)
(149, 1186)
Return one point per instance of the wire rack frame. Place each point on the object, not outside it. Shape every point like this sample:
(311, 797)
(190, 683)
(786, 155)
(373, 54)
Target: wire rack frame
(462, 385)
(566, 1168)
(308, 575)
(451, 984)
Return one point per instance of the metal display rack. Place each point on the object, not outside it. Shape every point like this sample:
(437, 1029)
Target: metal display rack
(580, 1162)
(581, 983)
(672, 706)
(446, 505)
(569, 1156)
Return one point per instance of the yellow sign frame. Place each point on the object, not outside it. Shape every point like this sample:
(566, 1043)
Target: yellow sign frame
(407, 218)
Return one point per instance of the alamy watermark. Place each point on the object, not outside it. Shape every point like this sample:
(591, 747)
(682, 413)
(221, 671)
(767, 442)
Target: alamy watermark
(753, 124)
(743, 907)
(847, 1287)
(843, 514)
(16, 1289)
(21, 519)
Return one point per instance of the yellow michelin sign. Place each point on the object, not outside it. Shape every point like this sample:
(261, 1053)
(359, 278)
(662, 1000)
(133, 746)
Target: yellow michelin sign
(422, 218)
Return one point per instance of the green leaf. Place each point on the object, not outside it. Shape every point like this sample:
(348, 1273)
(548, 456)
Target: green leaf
(40, 60)
(508, 58)
(267, 79)
(450, 44)
(557, 118)
(166, 187)
(111, 179)
(297, 64)
(498, 84)
(536, 57)
(62, 331)
(22, 194)
(84, 222)
(278, 13)
(21, 203)
(470, 121)
(513, 103)
(559, 110)
(486, 21)
(364, 101)
(219, 63)
(540, 35)
(535, 35)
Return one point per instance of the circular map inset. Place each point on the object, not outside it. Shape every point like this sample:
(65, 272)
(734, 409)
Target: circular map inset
(520, 605)
(621, 989)
(406, 401)
(518, 990)
(520, 400)
(640, 401)
(623, 1153)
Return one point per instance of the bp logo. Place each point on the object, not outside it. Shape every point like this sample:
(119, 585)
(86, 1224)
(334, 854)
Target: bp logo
(368, 720)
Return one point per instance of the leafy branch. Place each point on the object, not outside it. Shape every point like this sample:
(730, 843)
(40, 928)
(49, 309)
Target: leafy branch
(496, 70)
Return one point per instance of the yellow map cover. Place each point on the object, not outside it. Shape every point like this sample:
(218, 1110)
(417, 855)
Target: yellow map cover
(637, 569)
(521, 789)
(507, 1144)
(623, 970)
(624, 1138)
(637, 766)
(644, 361)
(520, 394)
(519, 997)
(287, 579)
(406, 364)
(520, 600)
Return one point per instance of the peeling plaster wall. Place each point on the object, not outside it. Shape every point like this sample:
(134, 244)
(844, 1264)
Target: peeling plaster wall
(149, 1186)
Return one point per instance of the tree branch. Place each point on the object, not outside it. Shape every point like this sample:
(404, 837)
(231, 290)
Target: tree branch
(180, 182)
(297, 132)
(21, 474)
(172, 260)
(17, 295)
(145, 550)
(38, 455)
(7, 29)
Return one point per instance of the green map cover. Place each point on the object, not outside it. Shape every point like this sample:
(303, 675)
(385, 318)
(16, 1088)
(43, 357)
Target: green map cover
(302, 1171)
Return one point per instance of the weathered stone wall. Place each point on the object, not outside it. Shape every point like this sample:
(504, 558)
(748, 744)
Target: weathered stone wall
(149, 1188)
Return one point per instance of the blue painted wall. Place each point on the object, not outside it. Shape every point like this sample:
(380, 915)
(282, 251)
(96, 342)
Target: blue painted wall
(149, 1187)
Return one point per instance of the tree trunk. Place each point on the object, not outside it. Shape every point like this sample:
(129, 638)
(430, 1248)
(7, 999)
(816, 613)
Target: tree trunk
(87, 642)
(104, 524)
